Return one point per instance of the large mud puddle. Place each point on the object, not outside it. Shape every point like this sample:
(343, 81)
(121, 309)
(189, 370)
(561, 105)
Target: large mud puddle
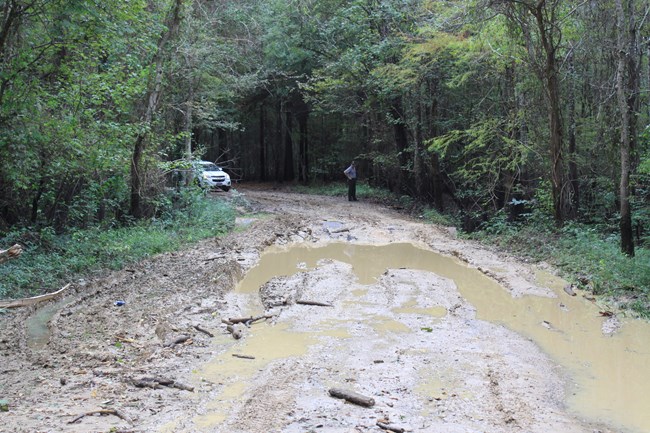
(609, 374)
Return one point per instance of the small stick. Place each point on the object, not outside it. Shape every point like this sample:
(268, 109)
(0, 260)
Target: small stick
(318, 304)
(205, 331)
(102, 412)
(236, 355)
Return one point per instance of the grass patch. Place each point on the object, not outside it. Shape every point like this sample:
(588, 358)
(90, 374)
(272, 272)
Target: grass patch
(50, 261)
(364, 192)
(585, 257)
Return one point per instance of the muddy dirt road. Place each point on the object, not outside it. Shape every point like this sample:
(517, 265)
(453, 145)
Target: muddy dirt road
(430, 327)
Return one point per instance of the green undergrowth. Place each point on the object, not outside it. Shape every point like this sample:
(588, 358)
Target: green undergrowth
(586, 257)
(364, 192)
(51, 260)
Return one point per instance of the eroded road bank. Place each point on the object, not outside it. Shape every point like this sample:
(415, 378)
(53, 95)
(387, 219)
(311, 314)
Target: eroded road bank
(444, 335)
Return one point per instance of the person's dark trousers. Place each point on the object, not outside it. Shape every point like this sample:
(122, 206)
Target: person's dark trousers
(352, 190)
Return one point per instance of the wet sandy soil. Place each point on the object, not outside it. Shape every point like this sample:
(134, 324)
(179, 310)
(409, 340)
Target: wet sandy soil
(444, 335)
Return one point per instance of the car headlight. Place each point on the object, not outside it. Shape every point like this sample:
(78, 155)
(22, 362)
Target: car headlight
(205, 175)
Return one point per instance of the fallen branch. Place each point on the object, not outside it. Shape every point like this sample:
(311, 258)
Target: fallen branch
(390, 427)
(205, 331)
(236, 355)
(115, 412)
(316, 303)
(247, 320)
(11, 253)
(352, 397)
(26, 302)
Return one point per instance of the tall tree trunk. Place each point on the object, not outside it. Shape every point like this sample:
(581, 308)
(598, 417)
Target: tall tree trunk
(11, 13)
(418, 154)
(623, 49)
(303, 117)
(560, 188)
(437, 182)
(401, 143)
(573, 165)
(262, 143)
(289, 173)
(189, 106)
(153, 100)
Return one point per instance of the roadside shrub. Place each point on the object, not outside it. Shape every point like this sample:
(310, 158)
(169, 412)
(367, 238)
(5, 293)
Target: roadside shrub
(432, 216)
(50, 261)
(584, 255)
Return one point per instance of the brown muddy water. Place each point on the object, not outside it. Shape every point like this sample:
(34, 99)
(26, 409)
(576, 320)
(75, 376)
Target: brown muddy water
(609, 375)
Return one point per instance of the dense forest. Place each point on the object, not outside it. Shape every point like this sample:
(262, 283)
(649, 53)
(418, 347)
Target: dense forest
(480, 107)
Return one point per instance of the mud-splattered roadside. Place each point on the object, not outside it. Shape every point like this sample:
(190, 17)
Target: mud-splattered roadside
(409, 339)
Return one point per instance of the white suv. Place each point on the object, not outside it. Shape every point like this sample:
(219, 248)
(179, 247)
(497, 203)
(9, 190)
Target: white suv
(211, 175)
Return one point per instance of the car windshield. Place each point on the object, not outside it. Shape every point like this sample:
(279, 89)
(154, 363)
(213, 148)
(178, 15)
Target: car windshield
(210, 167)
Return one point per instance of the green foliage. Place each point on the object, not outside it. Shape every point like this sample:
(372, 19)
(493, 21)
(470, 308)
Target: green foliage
(432, 216)
(586, 257)
(478, 158)
(51, 260)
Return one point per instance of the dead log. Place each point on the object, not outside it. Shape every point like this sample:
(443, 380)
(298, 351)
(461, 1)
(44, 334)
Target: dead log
(205, 331)
(352, 397)
(115, 412)
(390, 427)
(316, 303)
(26, 302)
(11, 253)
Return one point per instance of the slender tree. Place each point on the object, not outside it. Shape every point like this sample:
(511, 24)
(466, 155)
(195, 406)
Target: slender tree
(152, 101)
(626, 90)
(539, 21)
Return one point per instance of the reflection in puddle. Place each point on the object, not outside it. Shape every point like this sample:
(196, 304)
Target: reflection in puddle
(37, 325)
(611, 373)
(265, 343)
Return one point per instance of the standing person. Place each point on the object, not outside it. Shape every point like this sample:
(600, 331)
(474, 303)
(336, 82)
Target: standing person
(351, 174)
